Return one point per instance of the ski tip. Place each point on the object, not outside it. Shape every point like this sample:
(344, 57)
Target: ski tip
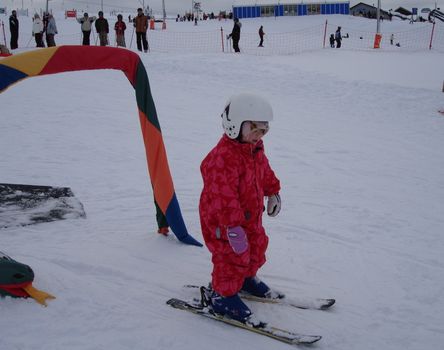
(310, 339)
(328, 303)
(305, 339)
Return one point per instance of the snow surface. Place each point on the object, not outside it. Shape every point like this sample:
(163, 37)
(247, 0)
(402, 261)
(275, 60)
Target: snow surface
(357, 143)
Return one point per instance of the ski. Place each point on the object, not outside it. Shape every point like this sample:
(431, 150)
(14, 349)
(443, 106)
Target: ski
(300, 303)
(315, 304)
(264, 329)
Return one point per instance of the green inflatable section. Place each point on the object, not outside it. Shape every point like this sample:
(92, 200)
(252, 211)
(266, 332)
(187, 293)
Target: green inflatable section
(13, 276)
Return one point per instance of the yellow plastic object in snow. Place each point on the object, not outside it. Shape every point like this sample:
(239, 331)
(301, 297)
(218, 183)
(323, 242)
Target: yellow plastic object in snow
(38, 295)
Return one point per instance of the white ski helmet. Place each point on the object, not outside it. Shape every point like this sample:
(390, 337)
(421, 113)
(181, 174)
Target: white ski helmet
(242, 107)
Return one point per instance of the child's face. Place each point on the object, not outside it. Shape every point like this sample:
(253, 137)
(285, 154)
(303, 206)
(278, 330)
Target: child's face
(252, 132)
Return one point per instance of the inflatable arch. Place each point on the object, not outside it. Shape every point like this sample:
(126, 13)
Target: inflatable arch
(76, 58)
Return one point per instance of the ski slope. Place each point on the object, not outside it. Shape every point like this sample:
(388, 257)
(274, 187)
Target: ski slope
(357, 144)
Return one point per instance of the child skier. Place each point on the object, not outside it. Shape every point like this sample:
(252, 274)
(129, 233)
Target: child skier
(237, 177)
(120, 28)
(332, 40)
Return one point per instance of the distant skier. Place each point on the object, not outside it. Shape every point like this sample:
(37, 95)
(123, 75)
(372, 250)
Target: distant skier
(86, 23)
(14, 28)
(37, 30)
(120, 28)
(338, 37)
(261, 36)
(51, 31)
(392, 39)
(235, 34)
(237, 176)
(102, 28)
(141, 26)
(332, 40)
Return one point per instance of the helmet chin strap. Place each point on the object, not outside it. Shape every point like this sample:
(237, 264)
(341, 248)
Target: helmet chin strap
(227, 113)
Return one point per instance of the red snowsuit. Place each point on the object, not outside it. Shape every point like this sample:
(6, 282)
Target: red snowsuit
(236, 178)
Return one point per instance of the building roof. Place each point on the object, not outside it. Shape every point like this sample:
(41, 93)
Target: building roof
(360, 4)
(403, 11)
(368, 6)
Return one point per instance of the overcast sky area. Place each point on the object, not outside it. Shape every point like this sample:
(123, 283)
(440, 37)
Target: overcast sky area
(181, 6)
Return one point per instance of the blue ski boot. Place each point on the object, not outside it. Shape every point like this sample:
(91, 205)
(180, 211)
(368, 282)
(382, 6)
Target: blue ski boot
(232, 306)
(254, 286)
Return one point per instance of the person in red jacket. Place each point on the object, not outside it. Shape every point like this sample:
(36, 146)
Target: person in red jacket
(120, 28)
(237, 177)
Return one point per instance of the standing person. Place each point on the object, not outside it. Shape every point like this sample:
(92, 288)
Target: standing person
(237, 177)
(120, 28)
(235, 34)
(51, 31)
(86, 23)
(45, 20)
(332, 40)
(14, 29)
(338, 37)
(37, 30)
(261, 36)
(102, 29)
(392, 39)
(141, 25)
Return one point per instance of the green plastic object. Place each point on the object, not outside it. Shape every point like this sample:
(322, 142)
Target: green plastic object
(13, 277)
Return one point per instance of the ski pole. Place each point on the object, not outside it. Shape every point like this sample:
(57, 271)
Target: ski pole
(4, 35)
(131, 42)
(29, 41)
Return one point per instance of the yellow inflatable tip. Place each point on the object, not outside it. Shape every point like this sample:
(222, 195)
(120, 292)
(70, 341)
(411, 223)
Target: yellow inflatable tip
(38, 295)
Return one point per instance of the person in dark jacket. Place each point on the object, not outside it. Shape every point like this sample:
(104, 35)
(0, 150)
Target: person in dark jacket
(45, 21)
(14, 28)
(332, 40)
(338, 37)
(261, 36)
(235, 34)
(102, 29)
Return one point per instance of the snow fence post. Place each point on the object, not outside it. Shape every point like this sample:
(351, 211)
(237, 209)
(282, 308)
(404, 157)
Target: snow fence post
(377, 43)
(222, 38)
(325, 32)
